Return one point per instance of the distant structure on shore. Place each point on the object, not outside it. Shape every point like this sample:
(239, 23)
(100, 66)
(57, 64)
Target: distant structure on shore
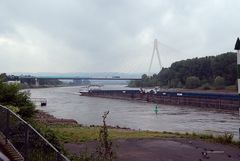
(237, 47)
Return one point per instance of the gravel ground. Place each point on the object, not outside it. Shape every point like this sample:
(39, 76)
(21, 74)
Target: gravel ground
(165, 150)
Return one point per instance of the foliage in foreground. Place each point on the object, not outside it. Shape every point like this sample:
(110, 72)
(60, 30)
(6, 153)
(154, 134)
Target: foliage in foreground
(17, 100)
(104, 150)
(48, 133)
(57, 134)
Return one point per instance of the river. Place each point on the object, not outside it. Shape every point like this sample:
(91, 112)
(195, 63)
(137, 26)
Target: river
(65, 102)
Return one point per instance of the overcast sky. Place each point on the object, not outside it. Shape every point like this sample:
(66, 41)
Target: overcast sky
(111, 35)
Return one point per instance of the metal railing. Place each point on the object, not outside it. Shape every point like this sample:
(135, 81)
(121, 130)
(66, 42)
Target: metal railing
(26, 140)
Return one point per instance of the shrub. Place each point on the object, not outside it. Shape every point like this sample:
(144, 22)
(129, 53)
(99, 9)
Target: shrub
(11, 96)
(192, 82)
(231, 88)
(13, 108)
(226, 138)
(85, 156)
(104, 149)
(219, 82)
(49, 134)
(206, 86)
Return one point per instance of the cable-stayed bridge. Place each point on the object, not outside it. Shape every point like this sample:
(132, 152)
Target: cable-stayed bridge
(157, 48)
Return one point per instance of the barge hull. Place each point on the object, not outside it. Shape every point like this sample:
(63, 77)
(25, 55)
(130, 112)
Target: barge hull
(205, 100)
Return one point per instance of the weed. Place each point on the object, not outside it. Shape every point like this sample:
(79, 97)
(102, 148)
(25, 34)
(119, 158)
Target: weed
(104, 149)
(227, 138)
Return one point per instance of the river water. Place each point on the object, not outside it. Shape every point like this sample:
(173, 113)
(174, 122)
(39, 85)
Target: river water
(65, 102)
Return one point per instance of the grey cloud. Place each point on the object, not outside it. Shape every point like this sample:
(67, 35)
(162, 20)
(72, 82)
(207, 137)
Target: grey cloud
(106, 35)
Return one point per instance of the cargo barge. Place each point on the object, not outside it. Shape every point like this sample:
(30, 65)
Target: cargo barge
(197, 99)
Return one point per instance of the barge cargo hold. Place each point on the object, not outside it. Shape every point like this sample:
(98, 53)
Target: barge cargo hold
(208, 100)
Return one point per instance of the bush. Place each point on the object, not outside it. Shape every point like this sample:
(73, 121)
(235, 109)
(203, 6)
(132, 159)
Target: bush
(225, 139)
(48, 133)
(104, 149)
(11, 96)
(82, 157)
(219, 82)
(13, 108)
(205, 86)
(179, 85)
(26, 111)
(192, 82)
(231, 88)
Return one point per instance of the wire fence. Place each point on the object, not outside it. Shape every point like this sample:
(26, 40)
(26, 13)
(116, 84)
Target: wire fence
(26, 140)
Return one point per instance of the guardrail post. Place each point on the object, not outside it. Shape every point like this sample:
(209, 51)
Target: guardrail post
(58, 157)
(7, 127)
(26, 142)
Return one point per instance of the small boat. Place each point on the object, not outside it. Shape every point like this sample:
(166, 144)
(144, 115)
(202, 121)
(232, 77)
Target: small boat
(95, 87)
(83, 89)
(39, 101)
(86, 89)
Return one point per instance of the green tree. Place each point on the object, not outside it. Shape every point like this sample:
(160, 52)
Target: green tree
(12, 96)
(219, 82)
(173, 83)
(192, 82)
(205, 68)
(3, 77)
(179, 85)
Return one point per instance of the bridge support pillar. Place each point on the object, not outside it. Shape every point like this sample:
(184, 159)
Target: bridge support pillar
(36, 82)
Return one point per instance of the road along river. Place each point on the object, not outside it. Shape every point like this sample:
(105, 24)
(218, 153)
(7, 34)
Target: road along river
(65, 102)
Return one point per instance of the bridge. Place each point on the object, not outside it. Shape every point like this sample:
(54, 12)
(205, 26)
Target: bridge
(155, 51)
(79, 78)
(36, 80)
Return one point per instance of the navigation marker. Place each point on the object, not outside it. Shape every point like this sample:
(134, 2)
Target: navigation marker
(156, 109)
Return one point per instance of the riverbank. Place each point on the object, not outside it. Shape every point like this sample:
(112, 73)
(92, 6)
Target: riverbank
(69, 131)
(135, 144)
(48, 119)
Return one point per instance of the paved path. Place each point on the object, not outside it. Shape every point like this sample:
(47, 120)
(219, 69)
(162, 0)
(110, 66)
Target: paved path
(166, 150)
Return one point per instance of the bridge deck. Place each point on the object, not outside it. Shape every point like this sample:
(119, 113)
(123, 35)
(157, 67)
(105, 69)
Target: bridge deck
(80, 78)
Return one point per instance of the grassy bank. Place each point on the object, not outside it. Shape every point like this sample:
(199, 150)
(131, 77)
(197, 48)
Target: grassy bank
(79, 134)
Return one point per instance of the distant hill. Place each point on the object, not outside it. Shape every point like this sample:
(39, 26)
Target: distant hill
(206, 72)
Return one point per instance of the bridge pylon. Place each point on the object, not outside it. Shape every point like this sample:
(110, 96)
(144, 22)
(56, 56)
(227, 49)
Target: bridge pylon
(155, 50)
(36, 82)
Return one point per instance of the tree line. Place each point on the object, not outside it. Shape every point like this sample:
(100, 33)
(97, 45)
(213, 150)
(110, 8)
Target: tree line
(205, 72)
